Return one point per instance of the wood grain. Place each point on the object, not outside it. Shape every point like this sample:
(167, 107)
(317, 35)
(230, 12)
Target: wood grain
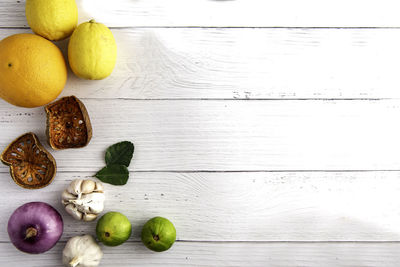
(189, 135)
(267, 206)
(226, 254)
(249, 13)
(230, 170)
(247, 64)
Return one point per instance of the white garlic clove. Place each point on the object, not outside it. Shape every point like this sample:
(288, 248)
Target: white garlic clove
(90, 203)
(67, 196)
(99, 187)
(75, 187)
(97, 205)
(88, 186)
(71, 210)
(88, 217)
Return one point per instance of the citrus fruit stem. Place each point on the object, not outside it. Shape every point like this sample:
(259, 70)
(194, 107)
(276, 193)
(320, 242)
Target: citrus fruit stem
(156, 237)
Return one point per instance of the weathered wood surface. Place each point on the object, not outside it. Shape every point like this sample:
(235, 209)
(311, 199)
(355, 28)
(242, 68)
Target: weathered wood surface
(193, 135)
(222, 13)
(226, 254)
(265, 130)
(266, 206)
(247, 64)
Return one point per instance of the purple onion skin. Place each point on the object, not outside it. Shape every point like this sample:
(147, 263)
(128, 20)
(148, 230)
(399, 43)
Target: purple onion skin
(41, 216)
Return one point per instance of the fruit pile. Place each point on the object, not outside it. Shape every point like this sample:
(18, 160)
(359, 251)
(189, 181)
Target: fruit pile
(33, 72)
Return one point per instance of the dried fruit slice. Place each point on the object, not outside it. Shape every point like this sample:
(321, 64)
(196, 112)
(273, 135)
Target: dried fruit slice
(68, 123)
(31, 165)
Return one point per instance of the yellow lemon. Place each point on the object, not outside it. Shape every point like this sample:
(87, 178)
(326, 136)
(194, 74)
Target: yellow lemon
(32, 70)
(53, 19)
(92, 51)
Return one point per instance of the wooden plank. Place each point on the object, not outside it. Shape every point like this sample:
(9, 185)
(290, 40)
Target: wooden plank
(247, 64)
(253, 13)
(225, 254)
(188, 135)
(309, 206)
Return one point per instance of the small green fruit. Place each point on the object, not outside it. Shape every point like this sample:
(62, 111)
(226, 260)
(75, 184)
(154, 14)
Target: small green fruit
(158, 234)
(113, 229)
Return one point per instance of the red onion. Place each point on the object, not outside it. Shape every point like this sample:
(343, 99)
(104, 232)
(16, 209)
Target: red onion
(35, 227)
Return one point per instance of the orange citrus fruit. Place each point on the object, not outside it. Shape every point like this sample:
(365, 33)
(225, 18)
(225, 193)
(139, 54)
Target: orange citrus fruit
(32, 70)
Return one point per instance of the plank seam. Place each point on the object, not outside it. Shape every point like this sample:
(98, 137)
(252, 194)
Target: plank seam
(244, 99)
(237, 27)
(4, 170)
(261, 242)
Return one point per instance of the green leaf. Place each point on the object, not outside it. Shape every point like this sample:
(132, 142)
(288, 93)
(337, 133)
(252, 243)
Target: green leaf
(113, 174)
(120, 153)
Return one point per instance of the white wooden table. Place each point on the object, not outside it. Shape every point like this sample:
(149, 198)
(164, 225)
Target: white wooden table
(267, 131)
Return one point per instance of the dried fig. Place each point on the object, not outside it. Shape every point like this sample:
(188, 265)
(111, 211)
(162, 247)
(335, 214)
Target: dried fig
(68, 123)
(31, 165)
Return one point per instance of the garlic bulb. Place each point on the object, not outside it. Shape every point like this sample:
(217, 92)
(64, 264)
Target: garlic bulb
(84, 199)
(82, 251)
